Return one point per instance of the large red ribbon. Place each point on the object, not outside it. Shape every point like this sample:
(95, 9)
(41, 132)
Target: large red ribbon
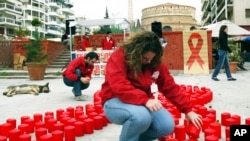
(195, 50)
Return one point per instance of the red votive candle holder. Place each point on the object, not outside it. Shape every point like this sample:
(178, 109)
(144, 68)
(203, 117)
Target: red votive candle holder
(59, 113)
(211, 138)
(71, 111)
(206, 122)
(14, 135)
(212, 117)
(23, 118)
(98, 122)
(39, 132)
(230, 121)
(4, 129)
(69, 132)
(3, 138)
(217, 128)
(237, 119)
(180, 132)
(227, 132)
(31, 125)
(79, 128)
(51, 123)
(79, 107)
(46, 137)
(192, 131)
(247, 121)
(202, 111)
(78, 113)
(58, 126)
(24, 137)
(38, 117)
(209, 132)
(12, 122)
(104, 119)
(40, 125)
(98, 108)
(49, 113)
(89, 126)
(24, 128)
(57, 135)
(224, 117)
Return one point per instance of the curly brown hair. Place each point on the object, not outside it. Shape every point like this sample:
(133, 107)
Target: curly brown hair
(138, 44)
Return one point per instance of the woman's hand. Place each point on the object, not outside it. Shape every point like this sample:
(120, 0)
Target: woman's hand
(196, 119)
(153, 105)
(85, 80)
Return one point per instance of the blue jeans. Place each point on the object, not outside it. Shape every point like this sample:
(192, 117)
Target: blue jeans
(77, 85)
(138, 123)
(223, 60)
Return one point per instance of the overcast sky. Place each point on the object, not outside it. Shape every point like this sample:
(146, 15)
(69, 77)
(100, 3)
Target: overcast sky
(95, 9)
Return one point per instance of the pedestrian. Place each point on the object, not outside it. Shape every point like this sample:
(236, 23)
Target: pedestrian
(78, 74)
(108, 43)
(64, 38)
(222, 52)
(127, 96)
(85, 42)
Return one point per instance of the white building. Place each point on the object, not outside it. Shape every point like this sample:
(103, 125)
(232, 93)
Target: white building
(52, 14)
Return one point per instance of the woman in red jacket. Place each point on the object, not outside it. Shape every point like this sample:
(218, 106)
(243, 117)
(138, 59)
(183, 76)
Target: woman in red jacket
(126, 92)
(85, 42)
(78, 74)
(108, 43)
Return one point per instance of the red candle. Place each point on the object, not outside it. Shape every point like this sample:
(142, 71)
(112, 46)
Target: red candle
(49, 113)
(230, 121)
(23, 118)
(14, 134)
(206, 122)
(104, 119)
(202, 111)
(209, 132)
(71, 111)
(40, 125)
(59, 113)
(58, 126)
(79, 128)
(237, 119)
(23, 128)
(24, 137)
(3, 138)
(247, 121)
(51, 123)
(89, 126)
(98, 108)
(39, 132)
(38, 117)
(224, 116)
(69, 132)
(31, 125)
(98, 122)
(57, 135)
(193, 131)
(227, 131)
(180, 132)
(46, 137)
(5, 128)
(78, 113)
(211, 138)
(12, 122)
(217, 128)
(212, 117)
(79, 107)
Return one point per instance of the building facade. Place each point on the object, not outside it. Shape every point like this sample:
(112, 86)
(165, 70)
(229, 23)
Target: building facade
(173, 17)
(236, 11)
(20, 13)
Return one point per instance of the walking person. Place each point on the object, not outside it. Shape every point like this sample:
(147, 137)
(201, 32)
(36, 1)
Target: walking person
(78, 74)
(127, 95)
(223, 58)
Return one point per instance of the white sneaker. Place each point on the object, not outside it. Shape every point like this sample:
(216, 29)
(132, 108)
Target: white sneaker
(81, 98)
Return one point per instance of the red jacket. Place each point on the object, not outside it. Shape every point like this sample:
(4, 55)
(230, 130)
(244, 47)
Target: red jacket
(120, 82)
(77, 63)
(85, 43)
(107, 45)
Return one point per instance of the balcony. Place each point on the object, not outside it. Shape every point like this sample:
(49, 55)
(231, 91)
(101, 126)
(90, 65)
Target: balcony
(11, 8)
(9, 22)
(67, 11)
(53, 4)
(69, 4)
(53, 13)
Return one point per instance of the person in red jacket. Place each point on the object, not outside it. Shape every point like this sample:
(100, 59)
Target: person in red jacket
(108, 43)
(85, 42)
(78, 74)
(127, 96)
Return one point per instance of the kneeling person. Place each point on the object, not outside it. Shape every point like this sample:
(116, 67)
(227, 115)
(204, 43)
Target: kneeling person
(78, 74)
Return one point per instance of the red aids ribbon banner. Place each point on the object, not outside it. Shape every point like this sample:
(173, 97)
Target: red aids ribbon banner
(195, 52)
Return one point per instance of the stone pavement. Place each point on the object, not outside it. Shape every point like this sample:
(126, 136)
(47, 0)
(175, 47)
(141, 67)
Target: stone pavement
(228, 96)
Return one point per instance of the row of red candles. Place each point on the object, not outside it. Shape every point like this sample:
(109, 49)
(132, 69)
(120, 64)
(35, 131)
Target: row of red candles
(211, 127)
(66, 125)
